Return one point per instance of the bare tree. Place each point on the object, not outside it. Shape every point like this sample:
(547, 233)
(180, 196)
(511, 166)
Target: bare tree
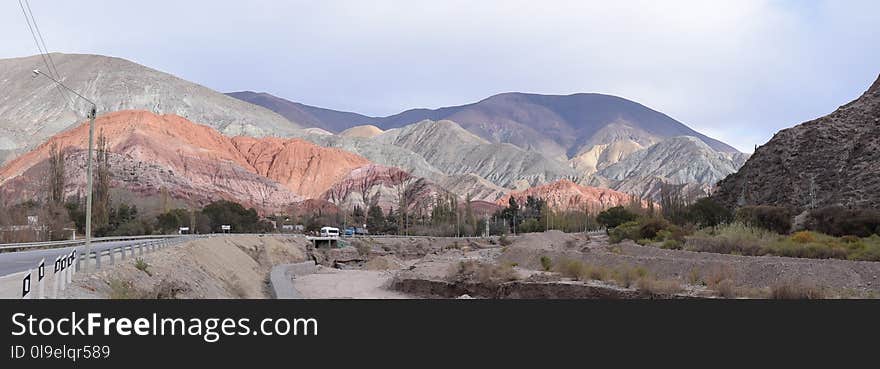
(364, 186)
(403, 183)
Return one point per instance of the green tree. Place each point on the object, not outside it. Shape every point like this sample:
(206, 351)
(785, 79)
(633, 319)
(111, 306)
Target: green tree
(615, 216)
(375, 219)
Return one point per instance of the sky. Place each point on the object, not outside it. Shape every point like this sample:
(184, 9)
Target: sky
(738, 71)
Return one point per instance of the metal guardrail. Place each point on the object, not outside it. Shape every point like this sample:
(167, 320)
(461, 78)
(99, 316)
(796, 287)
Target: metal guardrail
(58, 244)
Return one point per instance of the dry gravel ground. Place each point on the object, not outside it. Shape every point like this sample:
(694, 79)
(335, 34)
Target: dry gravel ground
(220, 267)
(238, 266)
(841, 276)
(329, 283)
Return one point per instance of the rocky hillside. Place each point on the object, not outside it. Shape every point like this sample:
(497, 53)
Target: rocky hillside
(153, 153)
(453, 150)
(833, 160)
(33, 109)
(677, 160)
(567, 195)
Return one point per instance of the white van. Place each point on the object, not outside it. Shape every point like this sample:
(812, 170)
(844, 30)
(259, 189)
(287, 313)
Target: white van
(329, 232)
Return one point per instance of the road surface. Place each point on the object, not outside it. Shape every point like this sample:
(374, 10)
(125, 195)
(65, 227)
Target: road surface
(17, 262)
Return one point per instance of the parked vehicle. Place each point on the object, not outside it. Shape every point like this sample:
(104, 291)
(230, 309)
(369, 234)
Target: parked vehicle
(329, 232)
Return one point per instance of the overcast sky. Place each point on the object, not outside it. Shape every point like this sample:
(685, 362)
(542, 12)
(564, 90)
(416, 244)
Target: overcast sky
(735, 70)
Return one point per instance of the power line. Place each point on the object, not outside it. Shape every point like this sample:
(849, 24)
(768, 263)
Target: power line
(41, 47)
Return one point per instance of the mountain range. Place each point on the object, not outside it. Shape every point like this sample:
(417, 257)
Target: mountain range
(485, 150)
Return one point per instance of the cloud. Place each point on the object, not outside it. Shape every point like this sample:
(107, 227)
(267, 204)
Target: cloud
(738, 70)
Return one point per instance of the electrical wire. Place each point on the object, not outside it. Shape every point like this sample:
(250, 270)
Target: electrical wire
(42, 48)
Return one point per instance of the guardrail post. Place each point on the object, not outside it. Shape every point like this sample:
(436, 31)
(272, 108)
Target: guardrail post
(56, 280)
(141, 249)
(69, 270)
(60, 274)
(112, 253)
(26, 286)
(97, 260)
(41, 273)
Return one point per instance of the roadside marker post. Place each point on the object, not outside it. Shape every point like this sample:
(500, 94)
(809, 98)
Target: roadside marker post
(70, 259)
(60, 275)
(41, 274)
(56, 279)
(26, 286)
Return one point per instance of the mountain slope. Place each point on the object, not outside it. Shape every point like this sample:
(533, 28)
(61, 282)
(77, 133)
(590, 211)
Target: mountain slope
(153, 153)
(308, 116)
(453, 150)
(679, 160)
(836, 156)
(33, 109)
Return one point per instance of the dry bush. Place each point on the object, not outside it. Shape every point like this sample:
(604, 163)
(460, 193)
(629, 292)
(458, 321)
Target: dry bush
(625, 276)
(658, 287)
(725, 288)
(597, 273)
(124, 290)
(363, 248)
(571, 268)
(487, 274)
(796, 291)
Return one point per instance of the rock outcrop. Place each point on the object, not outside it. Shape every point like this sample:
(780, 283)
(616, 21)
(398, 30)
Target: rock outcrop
(833, 160)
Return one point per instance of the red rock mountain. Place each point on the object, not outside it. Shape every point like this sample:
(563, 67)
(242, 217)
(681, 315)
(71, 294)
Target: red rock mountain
(567, 195)
(193, 162)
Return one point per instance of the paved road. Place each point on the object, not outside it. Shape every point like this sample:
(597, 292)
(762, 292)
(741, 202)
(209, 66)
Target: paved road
(17, 262)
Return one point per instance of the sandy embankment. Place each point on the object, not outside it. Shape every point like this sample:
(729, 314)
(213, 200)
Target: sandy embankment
(220, 267)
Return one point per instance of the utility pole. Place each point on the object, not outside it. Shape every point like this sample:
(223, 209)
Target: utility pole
(92, 113)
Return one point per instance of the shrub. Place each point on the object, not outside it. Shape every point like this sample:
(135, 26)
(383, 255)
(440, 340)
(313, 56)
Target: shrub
(597, 273)
(615, 216)
(803, 237)
(796, 291)
(626, 231)
(731, 238)
(486, 274)
(546, 263)
(774, 218)
(120, 290)
(658, 287)
(651, 227)
(840, 221)
(671, 244)
(707, 213)
(725, 288)
(625, 276)
(570, 268)
(142, 265)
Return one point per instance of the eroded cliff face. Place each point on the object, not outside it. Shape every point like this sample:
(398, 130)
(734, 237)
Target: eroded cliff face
(567, 195)
(302, 167)
(833, 160)
(153, 153)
